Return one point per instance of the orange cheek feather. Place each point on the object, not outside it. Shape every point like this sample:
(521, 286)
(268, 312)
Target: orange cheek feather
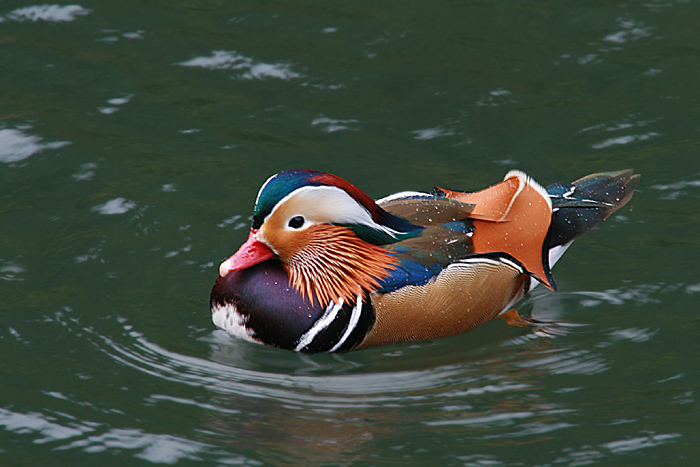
(328, 263)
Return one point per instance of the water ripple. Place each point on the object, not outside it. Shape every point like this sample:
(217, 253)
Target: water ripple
(86, 172)
(156, 448)
(11, 271)
(623, 140)
(16, 145)
(114, 206)
(640, 294)
(51, 13)
(231, 60)
(498, 419)
(676, 190)
(153, 447)
(331, 125)
(432, 133)
(47, 427)
(575, 362)
(641, 442)
(311, 391)
(630, 31)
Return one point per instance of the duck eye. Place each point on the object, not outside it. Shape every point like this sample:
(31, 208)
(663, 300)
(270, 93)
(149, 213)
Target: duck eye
(296, 222)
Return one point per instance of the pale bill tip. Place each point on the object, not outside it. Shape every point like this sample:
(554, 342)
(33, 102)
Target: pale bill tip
(225, 268)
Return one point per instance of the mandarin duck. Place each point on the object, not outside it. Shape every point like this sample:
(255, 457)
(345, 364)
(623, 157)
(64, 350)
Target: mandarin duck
(326, 268)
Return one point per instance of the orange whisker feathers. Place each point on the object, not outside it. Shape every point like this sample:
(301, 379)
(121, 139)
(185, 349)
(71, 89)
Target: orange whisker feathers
(335, 264)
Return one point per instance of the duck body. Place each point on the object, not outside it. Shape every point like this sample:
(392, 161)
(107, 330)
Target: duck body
(326, 268)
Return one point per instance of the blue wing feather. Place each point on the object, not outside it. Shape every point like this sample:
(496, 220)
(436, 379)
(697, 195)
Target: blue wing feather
(444, 239)
(409, 272)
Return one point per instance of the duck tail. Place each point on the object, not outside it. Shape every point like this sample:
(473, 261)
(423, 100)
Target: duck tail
(581, 205)
(518, 216)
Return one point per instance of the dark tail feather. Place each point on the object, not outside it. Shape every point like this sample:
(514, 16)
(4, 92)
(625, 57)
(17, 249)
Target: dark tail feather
(582, 205)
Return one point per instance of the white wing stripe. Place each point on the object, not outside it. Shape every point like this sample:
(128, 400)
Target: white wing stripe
(499, 261)
(403, 194)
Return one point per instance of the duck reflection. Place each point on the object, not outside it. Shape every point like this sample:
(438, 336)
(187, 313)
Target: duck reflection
(290, 420)
(334, 409)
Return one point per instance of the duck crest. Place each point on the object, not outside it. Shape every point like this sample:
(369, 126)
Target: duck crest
(333, 264)
(386, 228)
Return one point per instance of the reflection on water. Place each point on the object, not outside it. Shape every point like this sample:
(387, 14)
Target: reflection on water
(641, 442)
(339, 405)
(61, 431)
(157, 448)
(16, 145)
(631, 31)
(230, 60)
(330, 124)
(279, 407)
(588, 454)
(86, 172)
(114, 206)
(431, 133)
(11, 271)
(114, 103)
(574, 362)
(51, 13)
(44, 428)
(134, 137)
(623, 140)
(679, 189)
(623, 125)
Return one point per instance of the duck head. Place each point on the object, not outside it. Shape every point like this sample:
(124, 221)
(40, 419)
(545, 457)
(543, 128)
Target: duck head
(326, 233)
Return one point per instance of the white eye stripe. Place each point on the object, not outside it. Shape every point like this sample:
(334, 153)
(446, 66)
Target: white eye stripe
(329, 205)
(325, 204)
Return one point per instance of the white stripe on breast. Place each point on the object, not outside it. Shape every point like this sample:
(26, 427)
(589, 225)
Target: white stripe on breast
(322, 323)
(354, 319)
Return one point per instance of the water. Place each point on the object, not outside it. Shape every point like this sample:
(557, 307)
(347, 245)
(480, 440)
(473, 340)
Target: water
(135, 135)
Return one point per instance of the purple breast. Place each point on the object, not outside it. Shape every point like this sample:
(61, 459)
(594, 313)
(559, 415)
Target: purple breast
(279, 316)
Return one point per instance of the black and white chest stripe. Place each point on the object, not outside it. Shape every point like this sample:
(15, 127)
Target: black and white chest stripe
(341, 327)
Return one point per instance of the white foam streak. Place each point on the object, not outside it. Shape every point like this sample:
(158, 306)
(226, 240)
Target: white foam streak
(231, 60)
(51, 13)
(16, 145)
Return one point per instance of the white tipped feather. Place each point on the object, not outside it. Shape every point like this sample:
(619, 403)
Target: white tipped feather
(529, 181)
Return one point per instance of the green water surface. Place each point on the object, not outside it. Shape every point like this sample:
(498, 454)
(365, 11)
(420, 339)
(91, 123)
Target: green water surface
(134, 136)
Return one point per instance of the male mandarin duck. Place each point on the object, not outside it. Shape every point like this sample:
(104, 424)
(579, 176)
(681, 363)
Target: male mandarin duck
(326, 268)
